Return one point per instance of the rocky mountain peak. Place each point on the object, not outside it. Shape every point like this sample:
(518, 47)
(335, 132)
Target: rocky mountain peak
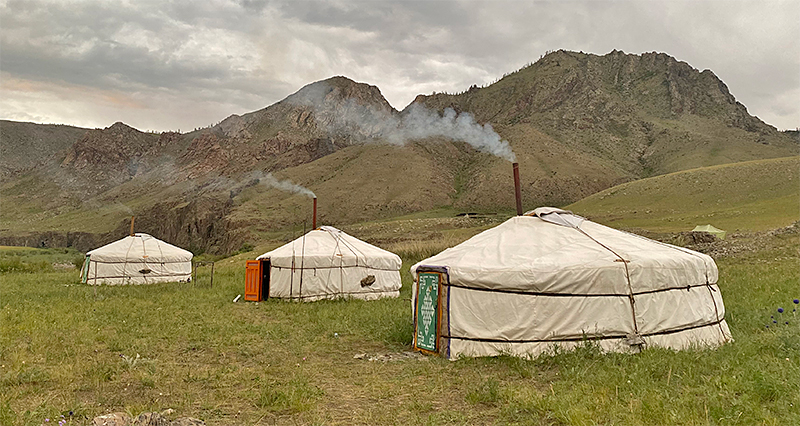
(120, 127)
(587, 89)
(335, 91)
(114, 154)
(338, 107)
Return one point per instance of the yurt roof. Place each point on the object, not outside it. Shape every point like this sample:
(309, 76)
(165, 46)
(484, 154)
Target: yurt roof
(549, 250)
(140, 246)
(330, 247)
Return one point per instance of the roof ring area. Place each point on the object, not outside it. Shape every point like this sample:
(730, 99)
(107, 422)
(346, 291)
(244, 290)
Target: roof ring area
(557, 216)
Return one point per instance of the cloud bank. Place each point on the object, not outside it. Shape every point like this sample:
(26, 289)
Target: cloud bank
(182, 65)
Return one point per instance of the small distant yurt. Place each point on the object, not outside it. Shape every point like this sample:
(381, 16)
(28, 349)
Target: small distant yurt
(551, 278)
(137, 259)
(325, 263)
(711, 230)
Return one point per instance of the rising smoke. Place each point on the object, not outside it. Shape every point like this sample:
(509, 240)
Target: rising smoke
(371, 123)
(420, 122)
(284, 185)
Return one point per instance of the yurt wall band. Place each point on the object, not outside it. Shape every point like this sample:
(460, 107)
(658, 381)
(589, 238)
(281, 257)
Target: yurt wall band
(552, 278)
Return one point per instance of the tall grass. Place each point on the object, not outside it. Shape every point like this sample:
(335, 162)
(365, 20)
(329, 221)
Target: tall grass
(32, 260)
(416, 250)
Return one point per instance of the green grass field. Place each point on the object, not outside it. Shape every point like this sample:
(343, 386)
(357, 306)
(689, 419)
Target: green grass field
(67, 347)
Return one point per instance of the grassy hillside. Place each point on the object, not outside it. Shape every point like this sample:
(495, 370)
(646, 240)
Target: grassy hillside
(753, 195)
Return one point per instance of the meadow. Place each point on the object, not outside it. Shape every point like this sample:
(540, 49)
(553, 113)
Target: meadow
(77, 351)
(751, 195)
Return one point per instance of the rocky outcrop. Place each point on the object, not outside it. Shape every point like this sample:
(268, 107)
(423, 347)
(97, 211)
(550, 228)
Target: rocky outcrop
(116, 154)
(187, 421)
(204, 155)
(113, 419)
(200, 225)
(150, 419)
(24, 146)
(144, 419)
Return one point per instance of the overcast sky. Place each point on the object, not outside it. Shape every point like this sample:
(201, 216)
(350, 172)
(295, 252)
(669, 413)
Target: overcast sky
(184, 64)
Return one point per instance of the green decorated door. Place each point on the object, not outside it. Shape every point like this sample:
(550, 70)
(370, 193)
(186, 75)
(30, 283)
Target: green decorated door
(426, 336)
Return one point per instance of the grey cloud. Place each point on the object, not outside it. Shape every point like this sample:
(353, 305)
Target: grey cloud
(248, 54)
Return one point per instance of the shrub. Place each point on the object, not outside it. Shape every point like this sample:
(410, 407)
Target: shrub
(16, 264)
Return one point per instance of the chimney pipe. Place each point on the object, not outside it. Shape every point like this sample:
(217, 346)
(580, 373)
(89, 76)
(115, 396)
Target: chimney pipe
(132, 219)
(314, 217)
(517, 193)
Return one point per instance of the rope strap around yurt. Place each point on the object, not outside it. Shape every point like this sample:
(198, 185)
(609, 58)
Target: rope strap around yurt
(144, 259)
(636, 339)
(336, 250)
(127, 256)
(705, 272)
(302, 262)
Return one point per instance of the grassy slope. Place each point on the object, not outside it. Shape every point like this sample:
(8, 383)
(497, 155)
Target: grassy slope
(754, 195)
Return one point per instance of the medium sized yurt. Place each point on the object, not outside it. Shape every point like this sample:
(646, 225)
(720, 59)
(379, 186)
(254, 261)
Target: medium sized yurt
(325, 263)
(137, 259)
(551, 278)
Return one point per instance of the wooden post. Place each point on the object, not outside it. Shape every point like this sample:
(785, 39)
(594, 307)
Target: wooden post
(132, 219)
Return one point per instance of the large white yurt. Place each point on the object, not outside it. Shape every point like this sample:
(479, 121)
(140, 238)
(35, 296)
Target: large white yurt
(325, 263)
(551, 278)
(137, 259)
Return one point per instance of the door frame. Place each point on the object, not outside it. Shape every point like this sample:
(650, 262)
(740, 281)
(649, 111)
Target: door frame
(265, 275)
(443, 276)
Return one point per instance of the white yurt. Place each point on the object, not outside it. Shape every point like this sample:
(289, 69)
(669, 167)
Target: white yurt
(137, 259)
(327, 263)
(551, 278)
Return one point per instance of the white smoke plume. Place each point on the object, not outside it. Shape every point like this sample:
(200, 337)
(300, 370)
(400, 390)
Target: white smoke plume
(285, 185)
(420, 122)
(369, 123)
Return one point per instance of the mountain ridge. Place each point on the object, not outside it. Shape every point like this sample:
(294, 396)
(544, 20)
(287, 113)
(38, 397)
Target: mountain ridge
(579, 123)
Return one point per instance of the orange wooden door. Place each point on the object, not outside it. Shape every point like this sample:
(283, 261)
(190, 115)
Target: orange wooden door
(252, 281)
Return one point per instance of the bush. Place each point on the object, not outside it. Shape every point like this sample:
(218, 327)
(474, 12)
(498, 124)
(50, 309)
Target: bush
(78, 262)
(16, 264)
